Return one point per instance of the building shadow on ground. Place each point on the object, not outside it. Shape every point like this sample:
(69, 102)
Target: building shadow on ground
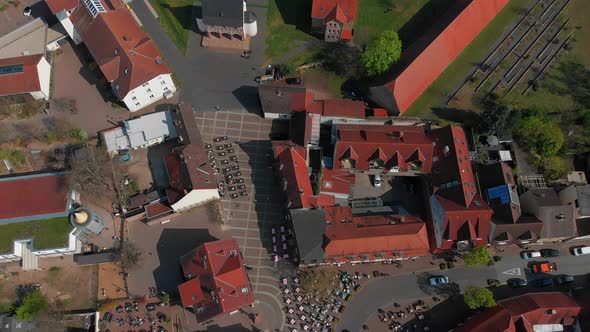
(185, 15)
(247, 96)
(92, 74)
(173, 244)
(443, 317)
(296, 12)
(268, 197)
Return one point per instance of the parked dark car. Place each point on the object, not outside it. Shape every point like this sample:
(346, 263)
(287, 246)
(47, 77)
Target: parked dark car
(542, 282)
(564, 279)
(119, 309)
(516, 283)
(151, 307)
(294, 80)
(549, 252)
(107, 316)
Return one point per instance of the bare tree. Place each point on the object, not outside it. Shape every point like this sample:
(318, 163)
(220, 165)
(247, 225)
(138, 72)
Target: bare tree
(92, 172)
(129, 255)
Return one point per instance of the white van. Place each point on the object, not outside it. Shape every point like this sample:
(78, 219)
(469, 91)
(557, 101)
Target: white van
(581, 251)
(377, 181)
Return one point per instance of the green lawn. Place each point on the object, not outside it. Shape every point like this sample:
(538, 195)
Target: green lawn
(372, 18)
(288, 22)
(46, 234)
(578, 12)
(473, 54)
(175, 16)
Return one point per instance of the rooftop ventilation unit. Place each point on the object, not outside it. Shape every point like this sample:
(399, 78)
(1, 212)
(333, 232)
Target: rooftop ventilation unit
(94, 7)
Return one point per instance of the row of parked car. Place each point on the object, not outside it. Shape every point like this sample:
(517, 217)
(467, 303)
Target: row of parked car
(541, 282)
(576, 251)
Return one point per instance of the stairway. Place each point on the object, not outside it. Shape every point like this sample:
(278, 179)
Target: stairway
(315, 129)
(29, 260)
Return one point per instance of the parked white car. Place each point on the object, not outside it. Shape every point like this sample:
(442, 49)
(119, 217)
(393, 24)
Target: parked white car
(530, 254)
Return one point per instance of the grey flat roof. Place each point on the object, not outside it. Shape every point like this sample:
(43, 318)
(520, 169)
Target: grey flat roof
(138, 132)
(29, 39)
(94, 258)
(309, 227)
(228, 13)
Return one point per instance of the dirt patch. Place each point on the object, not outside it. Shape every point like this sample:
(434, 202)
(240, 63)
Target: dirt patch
(70, 287)
(110, 282)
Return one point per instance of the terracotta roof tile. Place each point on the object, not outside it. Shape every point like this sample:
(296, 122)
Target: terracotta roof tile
(124, 53)
(442, 51)
(400, 145)
(218, 267)
(404, 234)
(322, 8)
(48, 191)
(22, 82)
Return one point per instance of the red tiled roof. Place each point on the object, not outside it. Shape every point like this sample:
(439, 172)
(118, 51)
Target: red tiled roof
(57, 6)
(322, 8)
(393, 146)
(443, 50)
(218, 267)
(33, 195)
(380, 112)
(337, 181)
(119, 45)
(526, 311)
(455, 180)
(157, 208)
(322, 200)
(346, 34)
(345, 108)
(293, 170)
(367, 235)
(477, 217)
(23, 82)
(301, 100)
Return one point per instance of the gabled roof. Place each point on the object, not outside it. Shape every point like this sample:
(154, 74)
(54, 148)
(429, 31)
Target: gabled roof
(374, 234)
(396, 145)
(526, 311)
(187, 164)
(217, 281)
(34, 196)
(227, 13)
(126, 56)
(23, 80)
(293, 170)
(398, 94)
(454, 179)
(342, 10)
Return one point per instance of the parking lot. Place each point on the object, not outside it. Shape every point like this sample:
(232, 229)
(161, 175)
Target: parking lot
(250, 218)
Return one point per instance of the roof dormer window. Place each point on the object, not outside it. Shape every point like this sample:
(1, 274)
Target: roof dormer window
(116, 51)
(126, 71)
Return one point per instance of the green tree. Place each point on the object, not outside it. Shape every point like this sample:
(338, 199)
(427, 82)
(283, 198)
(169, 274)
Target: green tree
(544, 137)
(34, 304)
(553, 168)
(479, 297)
(382, 53)
(129, 255)
(476, 256)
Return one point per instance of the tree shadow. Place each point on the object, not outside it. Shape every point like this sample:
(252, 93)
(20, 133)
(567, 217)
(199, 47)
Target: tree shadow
(247, 96)
(296, 13)
(173, 244)
(446, 290)
(575, 81)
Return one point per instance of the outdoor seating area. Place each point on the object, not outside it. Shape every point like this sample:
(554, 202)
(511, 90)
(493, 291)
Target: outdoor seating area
(146, 314)
(223, 159)
(317, 313)
(282, 242)
(403, 317)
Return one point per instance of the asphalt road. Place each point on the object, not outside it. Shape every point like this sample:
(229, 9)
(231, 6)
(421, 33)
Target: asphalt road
(383, 291)
(212, 79)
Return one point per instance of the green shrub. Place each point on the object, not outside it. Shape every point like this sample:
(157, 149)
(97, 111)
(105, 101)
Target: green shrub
(443, 266)
(79, 134)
